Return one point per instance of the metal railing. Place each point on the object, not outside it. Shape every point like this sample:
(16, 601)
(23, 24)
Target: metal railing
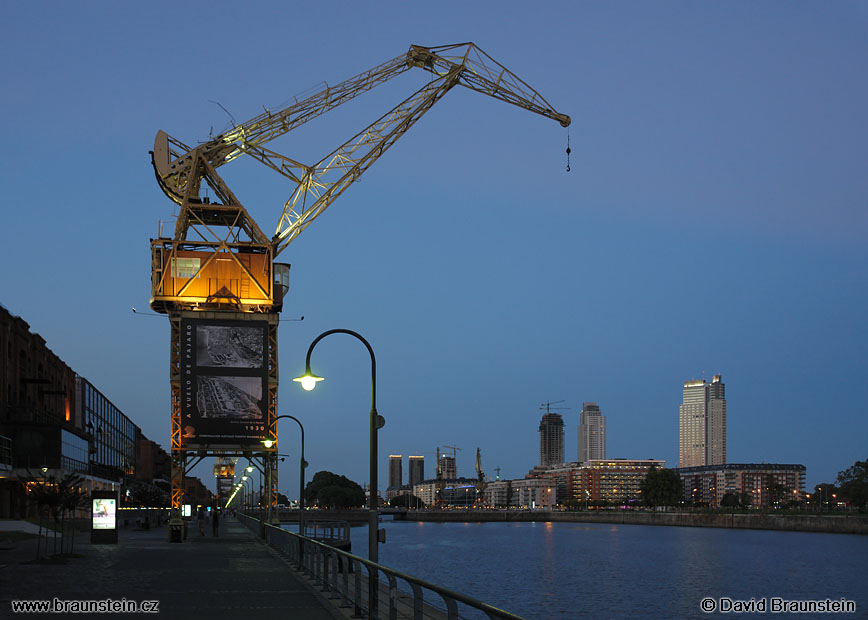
(345, 578)
(327, 531)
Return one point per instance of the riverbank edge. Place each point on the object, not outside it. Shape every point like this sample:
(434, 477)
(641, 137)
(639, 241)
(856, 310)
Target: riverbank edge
(831, 524)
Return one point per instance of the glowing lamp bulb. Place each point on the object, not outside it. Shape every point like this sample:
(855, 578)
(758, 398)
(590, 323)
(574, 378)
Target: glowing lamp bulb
(308, 380)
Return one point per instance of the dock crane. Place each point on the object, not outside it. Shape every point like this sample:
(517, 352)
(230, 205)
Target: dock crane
(220, 265)
(180, 170)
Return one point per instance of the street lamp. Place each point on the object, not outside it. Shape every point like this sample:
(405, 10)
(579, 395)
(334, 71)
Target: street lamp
(308, 381)
(245, 501)
(301, 466)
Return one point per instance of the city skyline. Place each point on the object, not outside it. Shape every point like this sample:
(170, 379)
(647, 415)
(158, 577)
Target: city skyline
(713, 220)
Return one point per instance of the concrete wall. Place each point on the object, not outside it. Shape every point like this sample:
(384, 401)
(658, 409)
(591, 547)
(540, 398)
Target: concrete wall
(850, 524)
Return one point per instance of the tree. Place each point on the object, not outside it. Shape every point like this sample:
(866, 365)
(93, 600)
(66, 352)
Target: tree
(572, 504)
(777, 493)
(853, 484)
(662, 487)
(823, 494)
(333, 491)
(729, 500)
(57, 498)
(407, 500)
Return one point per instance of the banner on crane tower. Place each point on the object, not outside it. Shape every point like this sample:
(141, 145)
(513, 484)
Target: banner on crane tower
(224, 487)
(224, 385)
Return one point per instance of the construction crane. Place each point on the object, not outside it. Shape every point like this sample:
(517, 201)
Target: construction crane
(548, 406)
(220, 265)
(454, 449)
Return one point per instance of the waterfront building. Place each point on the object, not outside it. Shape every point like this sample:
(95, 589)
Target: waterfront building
(43, 434)
(592, 433)
(527, 494)
(153, 464)
(455, 492)
(426, 491)
(702, 423)
(498, 493)
(54, 422)
(396, 474)
(560, 477)
(417, 470)
(551, 439)
(763, 484)
(613, 481)
(196, 494)
(460, 493)
(533, 494)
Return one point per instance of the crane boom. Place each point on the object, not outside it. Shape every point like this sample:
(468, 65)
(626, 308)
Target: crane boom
(180, 169)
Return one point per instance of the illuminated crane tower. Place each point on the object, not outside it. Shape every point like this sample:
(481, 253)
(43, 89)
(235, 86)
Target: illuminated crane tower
(216, 278)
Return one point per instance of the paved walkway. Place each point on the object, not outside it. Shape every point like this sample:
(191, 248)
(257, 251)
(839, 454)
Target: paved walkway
(12, 525)
(232, 576)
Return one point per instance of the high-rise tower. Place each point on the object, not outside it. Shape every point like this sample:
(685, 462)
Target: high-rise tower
(551, 439)
(702, 423)
(396, 473)
(417, 470)
(592, 433)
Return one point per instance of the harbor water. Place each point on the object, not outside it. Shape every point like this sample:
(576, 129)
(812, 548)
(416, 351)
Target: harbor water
(602, 571)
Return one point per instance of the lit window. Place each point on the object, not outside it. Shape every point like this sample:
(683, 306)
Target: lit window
(185, 267)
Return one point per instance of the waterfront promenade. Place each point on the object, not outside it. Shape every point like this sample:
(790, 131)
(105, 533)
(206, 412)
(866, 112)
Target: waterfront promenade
(231, 576)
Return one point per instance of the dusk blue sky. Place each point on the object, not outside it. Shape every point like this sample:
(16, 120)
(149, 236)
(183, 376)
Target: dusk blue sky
(714, 219)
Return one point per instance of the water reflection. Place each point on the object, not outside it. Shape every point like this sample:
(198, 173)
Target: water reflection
(592, 571)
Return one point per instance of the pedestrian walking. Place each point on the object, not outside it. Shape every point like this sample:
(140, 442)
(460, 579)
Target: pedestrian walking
(215, 520)
(200, 519)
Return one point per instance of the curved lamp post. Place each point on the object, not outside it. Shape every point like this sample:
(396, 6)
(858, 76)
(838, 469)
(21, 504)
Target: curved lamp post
(308, 381)
(301, 466)
(245, 500)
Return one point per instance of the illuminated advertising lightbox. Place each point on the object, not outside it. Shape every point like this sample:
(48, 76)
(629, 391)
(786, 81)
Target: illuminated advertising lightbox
(187, 510)
(104, 517)
(105, 513)
(224, 382)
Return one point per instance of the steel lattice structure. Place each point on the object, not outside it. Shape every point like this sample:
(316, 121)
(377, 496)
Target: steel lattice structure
(219, 263)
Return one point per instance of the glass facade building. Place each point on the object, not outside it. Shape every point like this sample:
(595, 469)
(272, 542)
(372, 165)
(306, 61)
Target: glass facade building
(113, 432)
(702, 423)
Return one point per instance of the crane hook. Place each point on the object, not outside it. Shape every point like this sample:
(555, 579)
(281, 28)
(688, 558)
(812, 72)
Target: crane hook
(568, 150)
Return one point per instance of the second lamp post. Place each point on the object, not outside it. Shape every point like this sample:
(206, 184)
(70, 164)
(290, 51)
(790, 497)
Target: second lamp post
(308, 381)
